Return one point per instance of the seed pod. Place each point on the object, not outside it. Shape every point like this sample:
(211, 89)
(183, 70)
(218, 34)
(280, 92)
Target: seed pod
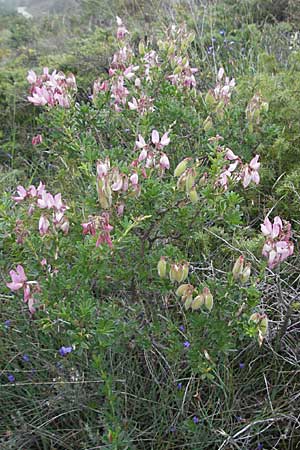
(177, 70)
(245, 275)
(198, 302)
(238, 268)
(185, 270)
(162, 267)
(181, 182)
(181, 167)
(263, 325)
(184, 289)
(210, 99)
(187, 301)
(171, 50)
(176, 272)
(190, 179)
(141, 48)
(207, 124)
(255, 317)
(193, 195)
(208, 299)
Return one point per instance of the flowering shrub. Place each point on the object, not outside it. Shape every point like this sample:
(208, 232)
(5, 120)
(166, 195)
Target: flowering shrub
(136, 253)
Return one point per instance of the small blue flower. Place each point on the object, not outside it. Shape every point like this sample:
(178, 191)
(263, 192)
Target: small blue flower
(186, 344)
(11, 378)
(179, 386)
(7, 323)
(181, 328)
(172, 429)
(241, 365)
(32, 373)
(195, 419)
(260, 447)
(222, 32)
(26, 358)
(210, 50)
(63, 351)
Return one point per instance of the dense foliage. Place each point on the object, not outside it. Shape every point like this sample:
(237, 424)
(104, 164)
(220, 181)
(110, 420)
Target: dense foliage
(148, 220)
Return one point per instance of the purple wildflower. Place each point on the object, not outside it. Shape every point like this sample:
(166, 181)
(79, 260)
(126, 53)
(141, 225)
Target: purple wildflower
(242, 365)
(181, 328)
(172, 429)
(179, 386)
(63, 351)
(196, 419)
(7, 323)
(26, 358)
(32, 373)
(260, 447)
(222, 32)
(11, 378)
(186, 344)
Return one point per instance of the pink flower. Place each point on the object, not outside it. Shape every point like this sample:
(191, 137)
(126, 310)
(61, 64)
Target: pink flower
(272, 230)
(103, 168)
(18, 278)
(250, 172)
(121, 31)
(164, 162)
(31, 78)
(89, 228)
(230, 155)
(278, 246)
(134, 179)
(46, 200)
(160, 143)
(104, 236)
(44, 225)
(38, 139)
(22, 194)
(140, 143)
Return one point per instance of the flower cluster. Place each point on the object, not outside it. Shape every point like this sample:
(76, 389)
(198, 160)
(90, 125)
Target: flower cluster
(42, 199)
(203, 298)
(278, 245)
(110, 180)
(151, 154)
(183, 74)
(51, 89)
(177, 271)
(247, 173)
(36, 140)
(101, 225)
(188, 179)
(240, 271)
(19, 281)
(224, 87)
(142, 105)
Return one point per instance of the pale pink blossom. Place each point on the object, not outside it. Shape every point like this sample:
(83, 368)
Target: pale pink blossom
(134, 179)
(18, 278)
(31, 78)
(121, 31)
(278, 246)
(140, 143)
(164, 162)
(44, 225)
(22, 194)
(160, 143)
(250, 172)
